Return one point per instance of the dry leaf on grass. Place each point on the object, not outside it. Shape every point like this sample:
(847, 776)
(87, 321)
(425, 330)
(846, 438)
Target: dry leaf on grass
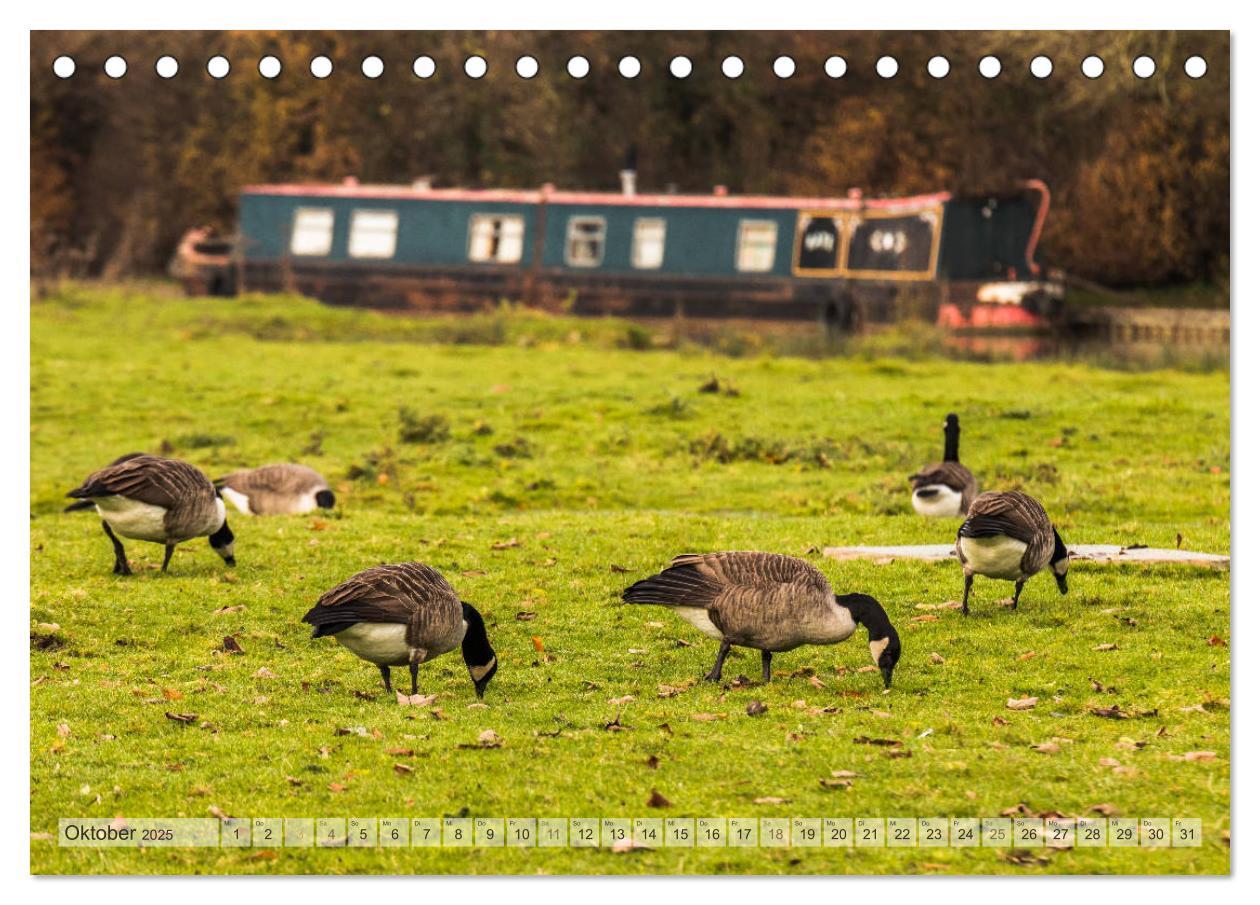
(769, 799)
(525, 616)
(1107, 646)
(756, 708)
(505, 544)
(181, 717)
(836, 783)
(265, 673)
(1199, 755)
(652, 762)
(620, 570)
(1104, 808)
(1047, 748)
(624, 699)
(708, 717)
(232, 646)
(1021, 703)
(937, 658)
(225, 610)
(882, 742)
(403, 769)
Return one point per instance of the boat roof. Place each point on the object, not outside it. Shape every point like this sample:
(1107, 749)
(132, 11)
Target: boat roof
(556, 196)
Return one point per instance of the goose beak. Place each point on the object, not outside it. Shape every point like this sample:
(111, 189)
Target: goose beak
(887, 672)
(1062, 580)
(231, 563)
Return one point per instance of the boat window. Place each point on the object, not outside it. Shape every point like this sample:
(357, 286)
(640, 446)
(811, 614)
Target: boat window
(584, 246)
(312, 231)
(755, 250)
(373, 234)
(496, 238)
(648, 249)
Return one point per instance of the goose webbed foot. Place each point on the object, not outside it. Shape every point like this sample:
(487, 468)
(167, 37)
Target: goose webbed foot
(765, 667)
(715, 674)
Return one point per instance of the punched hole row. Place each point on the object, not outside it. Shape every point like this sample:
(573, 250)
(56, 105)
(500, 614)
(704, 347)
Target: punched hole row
(630, 67)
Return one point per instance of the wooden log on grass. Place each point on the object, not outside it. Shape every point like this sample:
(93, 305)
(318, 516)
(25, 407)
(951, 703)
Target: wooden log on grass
(1105, 554)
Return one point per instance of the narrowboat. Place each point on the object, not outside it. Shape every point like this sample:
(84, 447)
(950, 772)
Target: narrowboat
(841, 261)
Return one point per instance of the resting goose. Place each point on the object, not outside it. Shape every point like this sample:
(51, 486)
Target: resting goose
(165, 501)
(1009, 536)
(283, 489)
(946, 488)
(768, 602)
(404, 615)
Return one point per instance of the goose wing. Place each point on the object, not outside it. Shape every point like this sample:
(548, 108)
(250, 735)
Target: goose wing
(410, 594)
(168, 483)
(282, 479)
(953, 475)
(749, 596)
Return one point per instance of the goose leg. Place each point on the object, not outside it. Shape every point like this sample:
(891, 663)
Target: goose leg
(120, 555)
(166, 560)
(765, 667)
(415, 671)
(1019, 586)
(715, 674)
(967, 579)
(389, 686)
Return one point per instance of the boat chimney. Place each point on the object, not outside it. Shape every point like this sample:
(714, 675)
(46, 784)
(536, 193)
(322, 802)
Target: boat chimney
(629, 169)
(719, 191)
(855, 194)
(350, 181)
(422, 184)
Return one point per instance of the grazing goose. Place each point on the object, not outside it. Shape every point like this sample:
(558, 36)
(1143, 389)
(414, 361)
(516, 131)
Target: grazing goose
(404, 615)
(165, 501)
(766, 601)
(945, 489)
(276, 490)
(1009, 536)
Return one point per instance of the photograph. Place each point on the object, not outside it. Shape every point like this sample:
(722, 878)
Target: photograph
(605, 453)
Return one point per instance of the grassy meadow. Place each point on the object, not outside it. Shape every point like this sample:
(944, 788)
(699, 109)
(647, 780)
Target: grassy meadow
(542, 464)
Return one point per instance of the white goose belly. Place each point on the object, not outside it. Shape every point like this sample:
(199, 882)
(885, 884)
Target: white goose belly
(385, 643)
(937, 501)
(994, 557)
(133, 519)
(699, 617)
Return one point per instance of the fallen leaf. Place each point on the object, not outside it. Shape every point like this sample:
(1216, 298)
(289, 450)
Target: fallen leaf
(265, 673)
(403, 769)
(620, 570)
(836, 783)
(505, 544)
(225, 610)
(490, 739)
(525, 616)
(1199, 755)
(538, 643)
(1027, 656)
(63, 729)
(882, 742)
(1215, 641)
(816, 682)
(1021, 703)
(1111, 713)
(1001, 721)
(1047, 748)
(936, 658)
(400, 752)
(232, 646)
(1108, 762)
(769, 799)
(629, 844)
(657, 800)
(181, 717)
(336, 787)
(1023, 857)
(624, 699)
(1107, 646)
(756, 708)
(652, 762)
(351, 730)
(708, 717)
(216, 811)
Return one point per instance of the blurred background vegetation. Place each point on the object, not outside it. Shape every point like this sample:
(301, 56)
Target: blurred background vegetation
(1139, 168)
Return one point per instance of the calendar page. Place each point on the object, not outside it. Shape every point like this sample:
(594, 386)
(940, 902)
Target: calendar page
(630, 452)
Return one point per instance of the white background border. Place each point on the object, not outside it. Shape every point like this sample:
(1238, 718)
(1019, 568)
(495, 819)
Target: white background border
(605, 14)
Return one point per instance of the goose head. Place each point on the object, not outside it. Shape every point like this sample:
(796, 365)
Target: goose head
(223, 542)
(325, 499)
(479, 656)
(885, 643)
(1059, 562)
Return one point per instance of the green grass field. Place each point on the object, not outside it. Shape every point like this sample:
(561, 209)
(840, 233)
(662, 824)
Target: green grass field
(542, 464)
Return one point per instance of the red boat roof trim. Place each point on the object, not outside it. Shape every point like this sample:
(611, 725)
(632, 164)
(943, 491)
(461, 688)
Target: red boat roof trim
(521, 196)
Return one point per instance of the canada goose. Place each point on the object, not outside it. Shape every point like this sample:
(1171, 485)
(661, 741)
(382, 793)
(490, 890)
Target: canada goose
(404, 615)
(1009, 536)
(946, 488)
(165, 501)
(766, 601)
(283, 489)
